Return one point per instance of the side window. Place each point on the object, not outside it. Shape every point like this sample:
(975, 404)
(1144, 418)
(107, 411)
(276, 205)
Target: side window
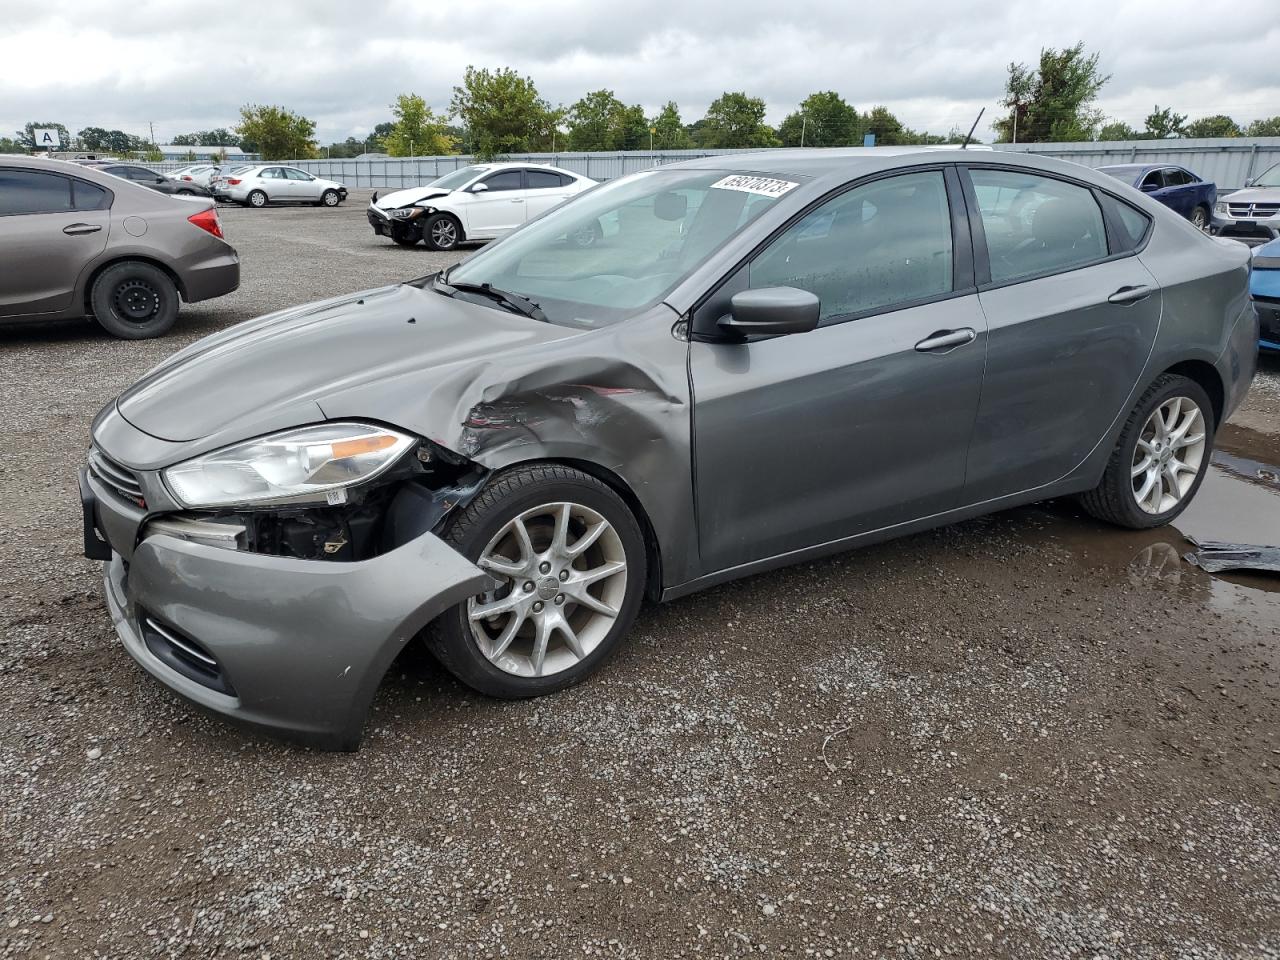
(31, 191)
(89, 196)
(293, 174)
(876, 246)
(506, 180)
(1152, 181)
(1037, 224)
(542, 180)
(1133, 225)
(566, 180)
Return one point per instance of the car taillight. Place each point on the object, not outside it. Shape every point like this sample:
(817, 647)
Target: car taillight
(207, 220)
(233, 180)
(186, 178)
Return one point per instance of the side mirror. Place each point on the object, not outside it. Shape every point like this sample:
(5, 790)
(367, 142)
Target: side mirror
(1248, 181)
(480, 188)
(1149, 187)
(771, 310)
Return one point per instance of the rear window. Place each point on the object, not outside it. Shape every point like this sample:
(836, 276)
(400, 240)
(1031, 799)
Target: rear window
(33, 191)
(89, 196)
(1130, 225)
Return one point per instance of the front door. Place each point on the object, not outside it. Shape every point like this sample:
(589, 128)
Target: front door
(1071, 327)
(498, 208)
(864, 422)
(51, 226)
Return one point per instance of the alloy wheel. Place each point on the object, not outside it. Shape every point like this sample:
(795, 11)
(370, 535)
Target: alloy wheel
(1198, 218)
(444, 234)
(1169, 455)
(560, 578)
(136, 301)
(330, 199)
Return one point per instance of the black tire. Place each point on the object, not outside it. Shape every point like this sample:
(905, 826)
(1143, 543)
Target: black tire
(406, 236)
(1200, 217)
(134, 300)
(508, 494)
(1113, 499)
(442, 231)
(256, 198)
(185, 193)
(330, 198)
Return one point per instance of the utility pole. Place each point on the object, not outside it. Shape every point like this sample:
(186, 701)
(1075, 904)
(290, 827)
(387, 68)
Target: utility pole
(803, 121)
(153, 132)
(1016, 104)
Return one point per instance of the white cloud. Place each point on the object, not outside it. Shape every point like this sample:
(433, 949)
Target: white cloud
(190, 65)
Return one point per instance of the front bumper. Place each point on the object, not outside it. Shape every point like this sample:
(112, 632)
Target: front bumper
(384, 225)
(1250, 230)
(294, 648)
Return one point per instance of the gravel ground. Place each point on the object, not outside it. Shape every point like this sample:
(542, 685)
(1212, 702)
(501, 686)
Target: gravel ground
(1024, 736)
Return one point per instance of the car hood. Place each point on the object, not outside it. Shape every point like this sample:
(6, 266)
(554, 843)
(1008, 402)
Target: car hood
(277, 371)
(403, 198)
(1253, 195)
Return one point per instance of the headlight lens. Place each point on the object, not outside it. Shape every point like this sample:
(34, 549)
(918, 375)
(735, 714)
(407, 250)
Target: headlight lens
(405, 213)
(305, 465)
(1220, 206)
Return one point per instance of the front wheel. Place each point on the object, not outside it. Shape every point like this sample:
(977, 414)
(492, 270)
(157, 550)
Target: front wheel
(330, 198)
(406, 236)
(568, 564)
(1160, 458)
(1200, 217)
(442, 232)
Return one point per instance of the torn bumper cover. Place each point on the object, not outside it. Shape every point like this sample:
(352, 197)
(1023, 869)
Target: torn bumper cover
(296, 648)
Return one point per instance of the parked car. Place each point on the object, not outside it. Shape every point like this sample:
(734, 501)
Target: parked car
(478, 202)
(1264, 287)
(155, 181)
(222, 173)
(777, 356)
(76, 242)
(257, 186)
(1176, 187)
(200, 173)
(1251, 214)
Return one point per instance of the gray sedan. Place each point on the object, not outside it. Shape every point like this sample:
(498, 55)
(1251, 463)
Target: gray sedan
(772, 357)
(76, 241)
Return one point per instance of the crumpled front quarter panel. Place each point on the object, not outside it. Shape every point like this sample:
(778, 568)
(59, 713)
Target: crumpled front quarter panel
(617, 398)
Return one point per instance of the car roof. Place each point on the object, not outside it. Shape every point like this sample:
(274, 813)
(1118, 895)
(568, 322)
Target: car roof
(1136, 168)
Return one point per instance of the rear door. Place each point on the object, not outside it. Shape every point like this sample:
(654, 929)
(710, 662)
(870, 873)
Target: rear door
(51, 226)
(1072, 315)
(544, 189)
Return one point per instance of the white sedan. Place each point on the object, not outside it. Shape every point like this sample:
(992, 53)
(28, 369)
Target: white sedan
(478, 202)
(266, 183)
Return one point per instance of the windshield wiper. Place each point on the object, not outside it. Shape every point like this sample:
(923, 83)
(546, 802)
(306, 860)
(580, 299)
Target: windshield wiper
(513, 301)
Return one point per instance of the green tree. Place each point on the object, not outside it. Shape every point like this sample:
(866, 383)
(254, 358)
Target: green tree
(181, 140)
(1267, 127)
(1162, 124)
(823, 120)
(1218, 125)
(669, 132)
(888, 128)
(9, 145)
(92, 138)
(217, 137)
(26, 136)
(1053, 102)
(119, 142)
(1118, 130)
(278, 134)
(600, 121)
(736, 120)
(502, 112)
(417, 131)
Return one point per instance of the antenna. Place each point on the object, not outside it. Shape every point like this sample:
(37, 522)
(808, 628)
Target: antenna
(969, 136)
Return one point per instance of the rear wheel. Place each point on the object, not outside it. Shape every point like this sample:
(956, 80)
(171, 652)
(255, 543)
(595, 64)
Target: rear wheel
(134, 301)
(1160, 458)
(442, 231)
(1200, 217)
(568, 564)
(257, 198)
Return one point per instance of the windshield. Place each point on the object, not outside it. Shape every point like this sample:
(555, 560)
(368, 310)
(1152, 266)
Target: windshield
(1270, 177)
(621, 247)
(451, 181)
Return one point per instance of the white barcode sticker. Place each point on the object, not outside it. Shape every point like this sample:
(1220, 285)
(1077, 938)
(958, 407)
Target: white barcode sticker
(765, 186)
(336, 497)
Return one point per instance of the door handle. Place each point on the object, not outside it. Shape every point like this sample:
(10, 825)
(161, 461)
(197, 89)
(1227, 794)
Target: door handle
(74, 229)
(944, 339)
(1130, 294)
(518, 200)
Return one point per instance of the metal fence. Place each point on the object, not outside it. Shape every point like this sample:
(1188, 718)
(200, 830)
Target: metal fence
(1227, 162)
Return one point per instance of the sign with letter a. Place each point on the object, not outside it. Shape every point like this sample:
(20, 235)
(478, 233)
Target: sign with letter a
(46, 139)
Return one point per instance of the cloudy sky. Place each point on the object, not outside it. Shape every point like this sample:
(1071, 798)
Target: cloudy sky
(190, 65)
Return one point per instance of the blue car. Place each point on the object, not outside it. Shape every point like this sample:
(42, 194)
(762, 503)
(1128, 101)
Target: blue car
(1264, 287)
(1177, 188)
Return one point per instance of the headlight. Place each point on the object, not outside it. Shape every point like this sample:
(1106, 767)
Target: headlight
(1220, 207)
(311, 464)
(405, 213)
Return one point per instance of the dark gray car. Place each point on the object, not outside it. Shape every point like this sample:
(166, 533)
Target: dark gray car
(76, 241)
(764, 359)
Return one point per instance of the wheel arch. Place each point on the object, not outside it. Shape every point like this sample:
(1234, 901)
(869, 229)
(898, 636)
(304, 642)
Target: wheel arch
(1206, 375)
(86, 295)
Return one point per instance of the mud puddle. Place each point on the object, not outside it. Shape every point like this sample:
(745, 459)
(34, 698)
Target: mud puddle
(1238, 502)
